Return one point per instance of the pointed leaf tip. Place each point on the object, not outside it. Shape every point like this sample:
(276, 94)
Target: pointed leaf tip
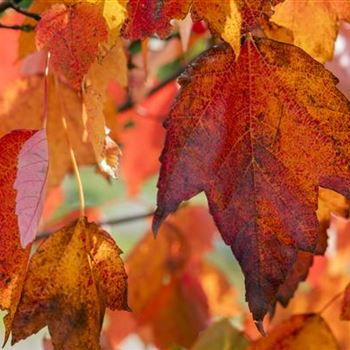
(158, 219)
(260, 326)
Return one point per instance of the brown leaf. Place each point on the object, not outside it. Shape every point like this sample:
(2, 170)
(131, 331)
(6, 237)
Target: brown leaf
(73, 276)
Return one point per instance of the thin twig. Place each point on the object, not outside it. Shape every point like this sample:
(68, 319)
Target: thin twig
(112, 222)
(46, 90)
(24, 12)
(130, 104)
(23, 27)
(72, 154)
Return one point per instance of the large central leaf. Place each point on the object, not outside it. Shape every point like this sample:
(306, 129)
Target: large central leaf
(258, 135)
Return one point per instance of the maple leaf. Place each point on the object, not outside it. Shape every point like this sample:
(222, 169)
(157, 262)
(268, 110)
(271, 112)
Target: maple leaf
(251, 135)
(306, 331)
(225, 18)
(316, 37)
(13, 258)
(73, 276)
(71, 35)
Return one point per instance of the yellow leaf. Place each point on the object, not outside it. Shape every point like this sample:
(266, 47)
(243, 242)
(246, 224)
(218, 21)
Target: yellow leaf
(74, 275)
(111, 65)
(316, 36)
(223, 17)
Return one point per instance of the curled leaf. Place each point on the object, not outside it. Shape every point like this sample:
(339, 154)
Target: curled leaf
(30, 185)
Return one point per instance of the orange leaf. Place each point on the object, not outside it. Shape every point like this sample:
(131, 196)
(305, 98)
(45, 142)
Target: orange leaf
(307, 332)
(250, 134)
(72, 35)
(221, 296)
(73, 276)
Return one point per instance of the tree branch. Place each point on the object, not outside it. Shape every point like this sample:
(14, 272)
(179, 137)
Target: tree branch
(26, 13)
(24, 27)
(130, 104)
(13, 4)
(112, 222)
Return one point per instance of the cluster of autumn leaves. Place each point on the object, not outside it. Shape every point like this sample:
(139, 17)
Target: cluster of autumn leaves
(258, 126)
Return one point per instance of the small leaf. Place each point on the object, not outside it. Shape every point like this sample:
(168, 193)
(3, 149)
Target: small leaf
(30, 185)
(110, 65)
(73, 276)
(72, 35)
